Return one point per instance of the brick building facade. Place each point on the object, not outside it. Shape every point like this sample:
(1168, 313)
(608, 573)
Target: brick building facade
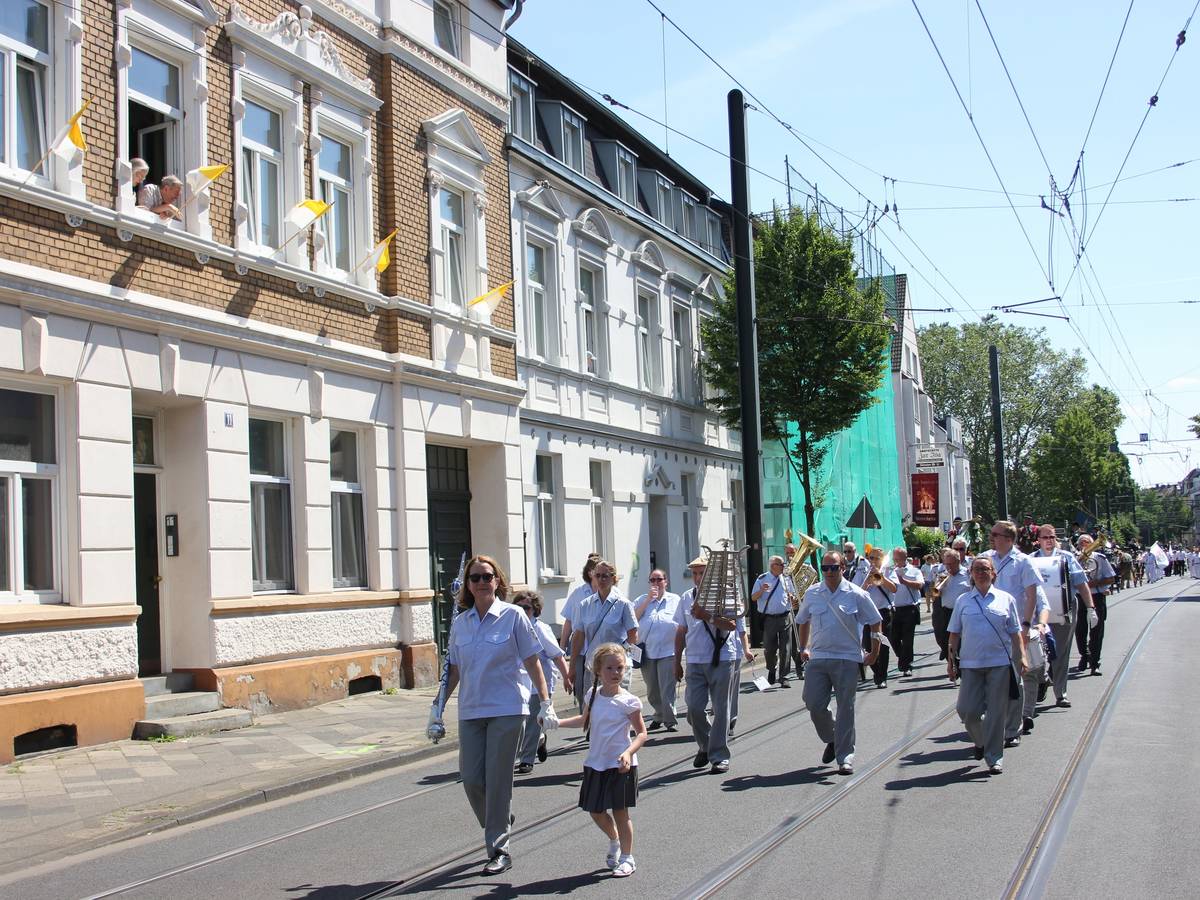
(226, 445)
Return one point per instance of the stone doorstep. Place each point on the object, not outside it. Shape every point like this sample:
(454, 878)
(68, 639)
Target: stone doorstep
(194, 724)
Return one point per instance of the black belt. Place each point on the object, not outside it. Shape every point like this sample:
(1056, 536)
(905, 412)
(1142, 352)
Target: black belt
(774, 615)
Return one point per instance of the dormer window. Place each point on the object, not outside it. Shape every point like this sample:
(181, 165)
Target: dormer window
(687, 221)
(520, 109)
(662, 193)
(572, 131)
(626, 176)
(446, 27)
(715, 243)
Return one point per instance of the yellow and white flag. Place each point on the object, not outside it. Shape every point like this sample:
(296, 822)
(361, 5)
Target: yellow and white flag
(485, 304)
(304, 213)
(199, 179)
(70, 140)
(380, 258)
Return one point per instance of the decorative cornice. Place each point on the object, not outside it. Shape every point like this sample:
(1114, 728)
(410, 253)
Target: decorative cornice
(455, 74)
(294, 43)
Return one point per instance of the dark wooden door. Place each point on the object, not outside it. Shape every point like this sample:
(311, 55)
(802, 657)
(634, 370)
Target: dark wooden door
(145, 543)
(449, 529)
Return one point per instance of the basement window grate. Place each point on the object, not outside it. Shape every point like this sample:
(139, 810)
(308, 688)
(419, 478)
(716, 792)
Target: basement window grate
(55, 737)
(367, 684)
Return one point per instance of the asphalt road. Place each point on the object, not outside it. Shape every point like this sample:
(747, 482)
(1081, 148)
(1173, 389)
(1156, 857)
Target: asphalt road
(919, 818)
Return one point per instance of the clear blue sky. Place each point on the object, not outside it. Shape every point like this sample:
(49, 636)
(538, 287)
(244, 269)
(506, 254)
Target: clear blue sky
(862, 78)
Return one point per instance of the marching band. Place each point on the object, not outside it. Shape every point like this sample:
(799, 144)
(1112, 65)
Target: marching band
(1004, 620)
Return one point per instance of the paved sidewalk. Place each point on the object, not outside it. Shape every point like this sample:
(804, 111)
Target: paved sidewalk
(91, 796)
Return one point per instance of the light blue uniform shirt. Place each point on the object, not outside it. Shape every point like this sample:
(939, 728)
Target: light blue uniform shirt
(1014, 573)
(905, 595)
(838, 618)
(986, 625)
(604, 621)
(550, 651)
(656, 627)
(490, 655)
(778, 602)
(699, 644)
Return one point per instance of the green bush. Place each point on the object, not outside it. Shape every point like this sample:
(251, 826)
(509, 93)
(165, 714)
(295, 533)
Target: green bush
(920, 540)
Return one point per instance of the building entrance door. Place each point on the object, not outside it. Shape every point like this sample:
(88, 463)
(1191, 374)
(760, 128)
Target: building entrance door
(145, 543)
(449, 529)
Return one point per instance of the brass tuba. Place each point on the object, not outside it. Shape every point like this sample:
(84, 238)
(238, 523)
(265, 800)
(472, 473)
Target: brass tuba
(799, 573)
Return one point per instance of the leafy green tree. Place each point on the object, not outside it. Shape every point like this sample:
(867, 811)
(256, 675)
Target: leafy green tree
(1162, 515)
(1075, 464)
(822, 339)
(1037, 384)
(1194, 427)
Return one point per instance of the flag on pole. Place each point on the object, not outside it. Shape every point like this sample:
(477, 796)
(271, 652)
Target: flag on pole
(70, 140)
(379, 257)
(304, 213)
(199, 179)
(485, 304)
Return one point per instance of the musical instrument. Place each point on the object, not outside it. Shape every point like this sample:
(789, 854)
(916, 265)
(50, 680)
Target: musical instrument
(874, 578)
(801, 575)
(722, 589)
(935, 590)
(1084, 558)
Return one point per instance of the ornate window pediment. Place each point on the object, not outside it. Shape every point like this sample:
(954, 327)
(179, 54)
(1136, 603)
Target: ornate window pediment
(292, 42)
(591, 224)
(712, 288)
(542, 198)
(200, 11)
(454, 131)
(649, 255)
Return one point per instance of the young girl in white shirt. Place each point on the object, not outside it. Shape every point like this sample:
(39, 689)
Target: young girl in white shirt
(610, 779)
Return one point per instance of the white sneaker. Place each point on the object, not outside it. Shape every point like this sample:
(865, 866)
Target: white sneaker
(625, 868)
(846, 768)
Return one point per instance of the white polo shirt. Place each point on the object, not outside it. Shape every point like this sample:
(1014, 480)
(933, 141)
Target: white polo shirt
(490, 658)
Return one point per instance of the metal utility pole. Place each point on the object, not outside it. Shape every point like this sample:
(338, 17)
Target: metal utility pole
(998, 426)
(787, 176)
(743, 270)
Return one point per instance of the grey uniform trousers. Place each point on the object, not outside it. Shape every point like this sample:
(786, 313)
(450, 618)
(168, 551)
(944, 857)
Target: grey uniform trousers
(708, 684)
(659, 675)
(982, 703)
(1016, 708)
(487, 751)
(1060, 668)
(824, 679)
(532, 735)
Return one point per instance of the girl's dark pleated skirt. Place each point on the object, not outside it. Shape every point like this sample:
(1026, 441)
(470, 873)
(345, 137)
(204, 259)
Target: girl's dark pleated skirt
(610, 789)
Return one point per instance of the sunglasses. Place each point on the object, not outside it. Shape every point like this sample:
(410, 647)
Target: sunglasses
(832, 568)
(603, 576)
(658, 579)
(477, 577)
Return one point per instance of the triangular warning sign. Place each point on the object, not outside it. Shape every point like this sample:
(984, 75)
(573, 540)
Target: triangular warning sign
(863, 516)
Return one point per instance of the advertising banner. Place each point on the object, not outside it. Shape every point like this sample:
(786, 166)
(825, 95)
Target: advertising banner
(925, 499)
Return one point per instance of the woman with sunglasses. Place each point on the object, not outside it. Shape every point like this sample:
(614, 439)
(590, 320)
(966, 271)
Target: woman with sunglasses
(494, 655)
(605, 617)
(655, 612)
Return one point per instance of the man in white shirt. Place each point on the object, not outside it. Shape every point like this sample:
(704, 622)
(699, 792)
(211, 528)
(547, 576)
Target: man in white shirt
(1064, 581)
(1089, 638)
(831, 620)
(713, 644)
(570, 614)
(855, 567)
(955, 581)
(906, 612)
(770, 597)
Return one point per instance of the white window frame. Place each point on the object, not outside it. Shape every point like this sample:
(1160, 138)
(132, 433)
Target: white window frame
(548, 291)
(548, 514)
(572, 140)
(599, 507)
(249, 224)
(448, 229)
(175, 33)
(688, 217)
(16, 473)
(594, 362)
(521, 97)
(349, 488)
(285, 480)
(715, 243)
(664, 192)
(626, 175)
(688, 486)
(647, 331)
(16, 55)
(355, 135)
(61, 92)
(453, 12)
(703, 390)
(682, 354)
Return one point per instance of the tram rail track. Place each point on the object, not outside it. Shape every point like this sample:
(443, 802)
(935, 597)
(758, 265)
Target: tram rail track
(1032, 873)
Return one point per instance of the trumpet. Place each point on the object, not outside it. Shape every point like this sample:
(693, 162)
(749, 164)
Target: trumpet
(935, 590)
(874, 578)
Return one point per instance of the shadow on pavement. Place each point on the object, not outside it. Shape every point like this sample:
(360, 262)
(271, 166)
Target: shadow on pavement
(811, 775)
(951, 754)
(941, 779)
(466, 880)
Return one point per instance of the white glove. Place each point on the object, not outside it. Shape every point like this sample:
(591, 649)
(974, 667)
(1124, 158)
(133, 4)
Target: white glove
(1093, 617)
(435, 729)
(547, 717)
